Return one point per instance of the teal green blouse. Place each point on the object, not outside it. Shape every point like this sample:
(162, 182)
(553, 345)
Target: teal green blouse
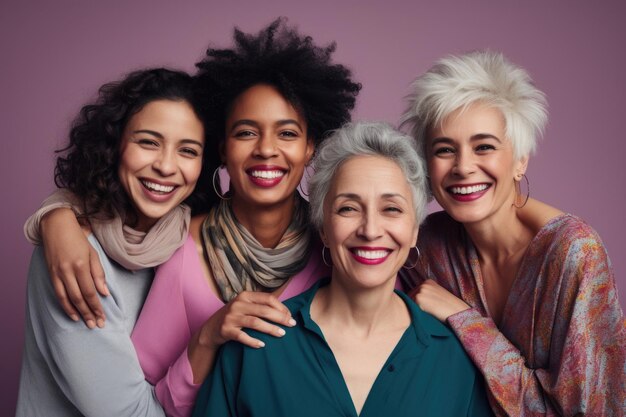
(427, 374)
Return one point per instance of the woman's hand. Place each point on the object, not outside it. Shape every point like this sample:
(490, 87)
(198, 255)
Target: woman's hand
(437, 301)
(250, 310)
(74, 267)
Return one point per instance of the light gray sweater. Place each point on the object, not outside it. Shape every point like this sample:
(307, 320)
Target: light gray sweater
(69, 370)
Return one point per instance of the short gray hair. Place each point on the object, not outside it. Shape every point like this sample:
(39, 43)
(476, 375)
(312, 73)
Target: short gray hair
(456, 82)
(367, 139)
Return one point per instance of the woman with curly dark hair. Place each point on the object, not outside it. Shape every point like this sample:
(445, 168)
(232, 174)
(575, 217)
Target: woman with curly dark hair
(133, 157)
(270, 100)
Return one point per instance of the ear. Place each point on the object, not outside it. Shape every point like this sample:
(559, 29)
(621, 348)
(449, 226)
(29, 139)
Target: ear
(414, 237)
(520, 167)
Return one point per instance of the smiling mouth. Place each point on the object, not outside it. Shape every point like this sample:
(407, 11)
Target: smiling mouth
(265, 174)
(469, 189)
(157, 188)
(370, 256)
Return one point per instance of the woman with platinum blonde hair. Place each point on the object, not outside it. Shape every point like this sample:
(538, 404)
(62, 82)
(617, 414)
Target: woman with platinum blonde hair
(528, 289)
(359, 347)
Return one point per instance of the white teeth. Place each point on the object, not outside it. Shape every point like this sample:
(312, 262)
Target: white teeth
(469, 190)
(371, 254)
(268, 175)
(152, 186)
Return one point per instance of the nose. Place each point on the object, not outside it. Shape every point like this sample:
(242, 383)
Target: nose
(266, 146)
(464, 164)
(370, 228)
(165, 162)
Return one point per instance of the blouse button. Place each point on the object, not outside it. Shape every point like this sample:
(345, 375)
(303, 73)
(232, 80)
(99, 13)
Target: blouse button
(391, 368)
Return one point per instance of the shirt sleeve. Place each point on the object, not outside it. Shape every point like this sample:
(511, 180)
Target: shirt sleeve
(96, 370)
(59, 199)
(587, 347)
(161, 337)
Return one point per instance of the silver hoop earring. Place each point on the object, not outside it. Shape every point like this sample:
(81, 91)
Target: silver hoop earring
(416, 258)
(517, 185)
(216, 185)
(324, 257)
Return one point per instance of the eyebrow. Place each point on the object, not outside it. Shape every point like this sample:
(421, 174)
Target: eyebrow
(281, 122)
(150, 132)
(160, 136)
(477, 136)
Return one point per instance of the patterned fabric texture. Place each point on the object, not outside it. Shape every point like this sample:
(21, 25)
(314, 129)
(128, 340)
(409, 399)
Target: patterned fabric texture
(560, 348)
(240, 263)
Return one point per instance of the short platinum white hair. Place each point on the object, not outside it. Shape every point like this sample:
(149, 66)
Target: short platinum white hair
(367, 139)
(456, 82)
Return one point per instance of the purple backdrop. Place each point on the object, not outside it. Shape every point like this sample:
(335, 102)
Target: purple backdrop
(55, 54)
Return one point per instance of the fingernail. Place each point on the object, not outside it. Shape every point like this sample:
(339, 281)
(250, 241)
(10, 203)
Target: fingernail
(280, 331)
(91, 324)
(100, 322)
(106, 288)
(292, 322)
(261, 344)
(75, 317)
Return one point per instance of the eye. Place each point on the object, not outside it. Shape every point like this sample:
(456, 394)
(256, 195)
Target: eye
(245, 134)
(485, 147)
(190, 152)
(288, 134)
(443, 151)
(393, 209)
(148, 143)
(346, 210)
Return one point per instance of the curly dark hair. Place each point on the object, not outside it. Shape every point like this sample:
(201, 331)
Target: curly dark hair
(279, 56)
(88, 165)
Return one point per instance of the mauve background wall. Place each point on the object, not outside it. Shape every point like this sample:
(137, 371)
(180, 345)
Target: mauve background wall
(54, 55)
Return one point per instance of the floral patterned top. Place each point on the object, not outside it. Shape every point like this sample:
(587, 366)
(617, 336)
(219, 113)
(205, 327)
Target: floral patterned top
(560, 348)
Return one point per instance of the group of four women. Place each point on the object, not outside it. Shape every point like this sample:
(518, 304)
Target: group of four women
(518, 311)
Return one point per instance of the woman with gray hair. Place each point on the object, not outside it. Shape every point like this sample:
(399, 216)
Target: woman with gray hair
(359, 347)
(528, 289)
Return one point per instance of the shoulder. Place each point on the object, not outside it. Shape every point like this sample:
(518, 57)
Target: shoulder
(428, 323)
(44, 307)
(296, 303)
(444, 348)
(297, 306)
(567, 232)
(572, 254)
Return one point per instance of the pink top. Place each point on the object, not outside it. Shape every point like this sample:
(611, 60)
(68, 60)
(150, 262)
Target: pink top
(179, 303)
(560, 348)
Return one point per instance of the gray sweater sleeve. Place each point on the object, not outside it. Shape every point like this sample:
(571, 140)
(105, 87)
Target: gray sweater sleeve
(59, 199)
(70, 370)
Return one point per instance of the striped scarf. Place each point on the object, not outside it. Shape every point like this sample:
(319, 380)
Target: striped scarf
(239, 262)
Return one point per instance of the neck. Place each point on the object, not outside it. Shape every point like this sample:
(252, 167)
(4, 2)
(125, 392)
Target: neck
(137, 222)
(501, 237)
(267, 224)
(363, 311)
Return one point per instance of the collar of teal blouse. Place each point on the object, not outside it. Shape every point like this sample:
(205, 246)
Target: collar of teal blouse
(425, 325)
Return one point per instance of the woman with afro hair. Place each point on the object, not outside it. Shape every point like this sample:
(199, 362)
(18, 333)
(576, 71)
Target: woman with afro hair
(271, 99)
